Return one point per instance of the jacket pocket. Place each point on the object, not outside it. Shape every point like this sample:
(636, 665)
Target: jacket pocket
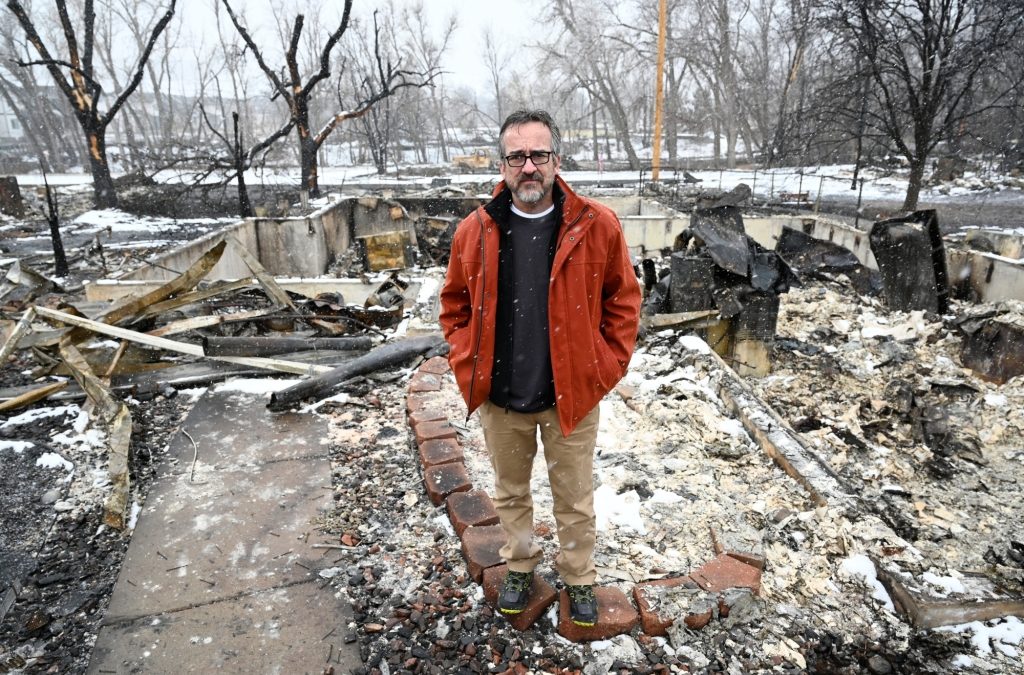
(609, 372)
(460, 356)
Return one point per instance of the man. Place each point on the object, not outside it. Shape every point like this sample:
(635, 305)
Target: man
(540, 307)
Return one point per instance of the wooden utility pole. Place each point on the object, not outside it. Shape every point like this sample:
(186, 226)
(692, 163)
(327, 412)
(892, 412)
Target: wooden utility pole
(659, 89)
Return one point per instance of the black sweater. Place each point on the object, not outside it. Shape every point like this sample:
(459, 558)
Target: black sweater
(522, 379)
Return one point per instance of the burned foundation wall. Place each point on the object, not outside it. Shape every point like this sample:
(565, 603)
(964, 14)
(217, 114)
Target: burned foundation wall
(978, 275)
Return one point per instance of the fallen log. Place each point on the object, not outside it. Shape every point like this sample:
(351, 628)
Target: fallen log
(385, 356)
(265, 346)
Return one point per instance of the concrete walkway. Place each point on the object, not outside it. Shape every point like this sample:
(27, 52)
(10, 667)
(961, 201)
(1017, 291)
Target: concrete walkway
(221, 574)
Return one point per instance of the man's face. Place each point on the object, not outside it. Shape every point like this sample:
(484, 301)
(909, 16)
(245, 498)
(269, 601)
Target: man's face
(531, 183)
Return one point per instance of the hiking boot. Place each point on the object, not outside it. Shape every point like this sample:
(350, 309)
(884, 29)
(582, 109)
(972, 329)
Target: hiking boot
(582, 605)
(515, 592)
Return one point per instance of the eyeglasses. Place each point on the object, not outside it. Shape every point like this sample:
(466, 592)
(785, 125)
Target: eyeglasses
(538, 157)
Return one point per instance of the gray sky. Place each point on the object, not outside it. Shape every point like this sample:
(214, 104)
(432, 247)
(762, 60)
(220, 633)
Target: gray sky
(513, 22)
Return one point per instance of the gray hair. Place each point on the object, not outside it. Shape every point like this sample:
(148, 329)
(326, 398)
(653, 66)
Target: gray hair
(520, 117)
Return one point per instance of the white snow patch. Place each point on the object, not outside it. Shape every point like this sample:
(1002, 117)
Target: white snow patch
(17, 446)
(81, 422)
(133, 517)
(861, 566)
(428, 290)
(664, 497)
(621, 510)
(446, 524)
(995, 400)
(255, 385)
(1002, 634)
(38, 414)
(947, 584)
(51, 460)
(962, 661)
(732, 426)
(194, 393)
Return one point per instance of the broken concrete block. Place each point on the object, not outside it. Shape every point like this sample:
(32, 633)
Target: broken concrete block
(429, 431)
(615, 616)
(424, 382)
(426, 415)
(650, 597)
(470, 509)
(440, 451)
(724, 572)
(444, 479)
(542, 596)
(437, 365)
(480, 546)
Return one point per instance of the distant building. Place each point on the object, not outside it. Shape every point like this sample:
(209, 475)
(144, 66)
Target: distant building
(10, 125)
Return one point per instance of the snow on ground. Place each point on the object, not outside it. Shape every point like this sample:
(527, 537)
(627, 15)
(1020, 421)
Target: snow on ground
(117, 221)
(832, 182)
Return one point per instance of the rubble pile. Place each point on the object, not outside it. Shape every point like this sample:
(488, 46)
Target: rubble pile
(935, 449)
(924, 451)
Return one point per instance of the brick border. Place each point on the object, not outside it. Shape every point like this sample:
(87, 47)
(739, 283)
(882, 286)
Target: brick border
(446, 481)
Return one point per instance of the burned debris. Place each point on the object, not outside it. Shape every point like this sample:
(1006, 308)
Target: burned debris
(717, 266)
(864, 406)
(912, 261)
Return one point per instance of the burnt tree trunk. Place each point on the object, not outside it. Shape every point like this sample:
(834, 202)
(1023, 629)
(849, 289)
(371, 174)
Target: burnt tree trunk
(60, 259)
(307, 149)
(102, 183)
(914, 183)
(244, 205)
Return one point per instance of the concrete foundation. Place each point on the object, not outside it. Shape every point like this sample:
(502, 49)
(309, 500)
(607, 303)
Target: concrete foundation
(304, 247)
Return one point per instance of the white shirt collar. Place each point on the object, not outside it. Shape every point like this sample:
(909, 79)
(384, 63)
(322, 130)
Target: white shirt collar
(532, 216)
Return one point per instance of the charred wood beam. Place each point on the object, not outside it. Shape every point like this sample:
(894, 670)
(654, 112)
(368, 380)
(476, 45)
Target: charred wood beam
(386, 356)
(265, 346)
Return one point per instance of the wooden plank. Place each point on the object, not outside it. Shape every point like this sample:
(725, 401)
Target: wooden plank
(175, 346)
(117, 420)
(19, 330)
(185, 325)
(264, 346)
(194, 296)
(30, 397)
(266, 281)
(384, 356)
(929, 614)
(185, 281)
(699, 319)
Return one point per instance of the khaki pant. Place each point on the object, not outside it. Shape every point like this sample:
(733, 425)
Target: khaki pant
(511, 439)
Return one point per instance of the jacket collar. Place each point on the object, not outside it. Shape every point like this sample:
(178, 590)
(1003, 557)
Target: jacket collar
(567, 203)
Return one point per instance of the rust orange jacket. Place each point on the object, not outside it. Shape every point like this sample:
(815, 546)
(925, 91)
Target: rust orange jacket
(593, 305)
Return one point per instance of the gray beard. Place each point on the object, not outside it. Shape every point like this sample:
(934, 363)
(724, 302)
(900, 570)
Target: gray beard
(531, 195)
